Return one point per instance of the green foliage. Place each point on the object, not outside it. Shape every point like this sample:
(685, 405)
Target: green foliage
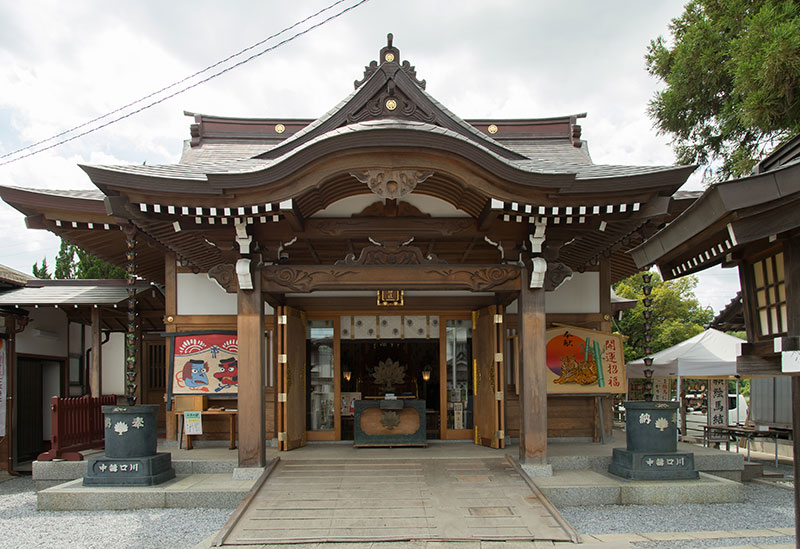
(41, 272)
(732, 78)
(676, 313)
(72, 262)
(91, 266)
(65, 261)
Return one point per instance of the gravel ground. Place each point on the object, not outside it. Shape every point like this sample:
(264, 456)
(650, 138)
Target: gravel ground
(22, 526)
(764, 507)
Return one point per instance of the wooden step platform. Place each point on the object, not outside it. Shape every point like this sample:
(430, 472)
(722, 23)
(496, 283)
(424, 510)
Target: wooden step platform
(390, 500)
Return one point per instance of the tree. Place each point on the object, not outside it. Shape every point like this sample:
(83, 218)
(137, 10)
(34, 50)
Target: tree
(676, 313)
(65, 261)
(732, 81)
(41, 272)
(73, 262)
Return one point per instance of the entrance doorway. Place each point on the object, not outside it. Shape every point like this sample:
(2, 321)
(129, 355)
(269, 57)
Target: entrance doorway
(36, 380)
(372, 368)
(328, 362)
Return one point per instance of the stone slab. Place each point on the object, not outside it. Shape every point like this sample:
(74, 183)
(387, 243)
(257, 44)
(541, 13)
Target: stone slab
(215, 491)
(574, 488)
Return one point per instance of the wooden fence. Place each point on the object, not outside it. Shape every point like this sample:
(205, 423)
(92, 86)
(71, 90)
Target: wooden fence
(77, 425)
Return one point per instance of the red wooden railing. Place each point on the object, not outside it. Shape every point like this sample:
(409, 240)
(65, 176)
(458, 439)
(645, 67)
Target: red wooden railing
(77, 425)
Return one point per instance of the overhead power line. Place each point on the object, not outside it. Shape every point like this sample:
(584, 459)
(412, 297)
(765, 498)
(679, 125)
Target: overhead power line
(179, 82)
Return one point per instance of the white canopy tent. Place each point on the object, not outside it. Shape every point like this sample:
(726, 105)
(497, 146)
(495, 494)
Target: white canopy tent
(710, 354)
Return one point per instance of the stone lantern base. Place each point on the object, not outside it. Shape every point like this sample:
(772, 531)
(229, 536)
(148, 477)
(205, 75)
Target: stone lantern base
(651, 431)
(135, 471)
(130, 458)
(652, 465)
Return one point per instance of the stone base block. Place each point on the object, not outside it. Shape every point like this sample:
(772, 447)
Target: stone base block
(537, 469)
(652, 465)
(133, 471)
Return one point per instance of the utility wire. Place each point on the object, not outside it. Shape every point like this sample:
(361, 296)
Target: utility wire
(181, 90)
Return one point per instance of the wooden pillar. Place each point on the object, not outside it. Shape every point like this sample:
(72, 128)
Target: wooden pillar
(533, 381)
(97, 354)
(252, 401)
(791, 263)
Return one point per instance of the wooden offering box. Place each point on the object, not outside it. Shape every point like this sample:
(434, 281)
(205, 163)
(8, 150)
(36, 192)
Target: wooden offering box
(389, 423)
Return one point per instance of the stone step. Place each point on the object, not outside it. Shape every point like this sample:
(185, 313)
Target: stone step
(185, 491)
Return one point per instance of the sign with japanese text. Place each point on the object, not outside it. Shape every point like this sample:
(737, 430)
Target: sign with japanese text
(662, 388)
(717, 407)
(193, 423)
(205, 364)
(584, 361)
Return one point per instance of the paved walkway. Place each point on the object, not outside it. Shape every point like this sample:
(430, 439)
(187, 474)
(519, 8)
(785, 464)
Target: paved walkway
(605, 541)
(391, 500)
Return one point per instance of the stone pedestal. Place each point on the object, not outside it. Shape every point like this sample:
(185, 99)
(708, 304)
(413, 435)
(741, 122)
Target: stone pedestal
(651, 432)
(130, 455)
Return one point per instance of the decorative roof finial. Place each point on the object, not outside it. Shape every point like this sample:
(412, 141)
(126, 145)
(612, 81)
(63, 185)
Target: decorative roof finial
(389, 55)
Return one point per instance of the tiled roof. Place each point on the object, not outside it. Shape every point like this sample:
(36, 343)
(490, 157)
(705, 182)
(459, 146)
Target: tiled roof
(83, 194)
(548, 157)
(7, 274)
(73, 292)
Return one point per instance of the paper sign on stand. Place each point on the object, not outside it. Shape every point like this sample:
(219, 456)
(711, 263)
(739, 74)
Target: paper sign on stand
(193, 423)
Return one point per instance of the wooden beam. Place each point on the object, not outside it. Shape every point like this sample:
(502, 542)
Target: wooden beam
(252, 400)
(97, 354)
(533, 390)
(309, 278)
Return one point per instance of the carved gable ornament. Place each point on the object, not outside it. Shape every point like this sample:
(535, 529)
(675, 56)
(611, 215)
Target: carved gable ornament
(391, 184)
(391, 253)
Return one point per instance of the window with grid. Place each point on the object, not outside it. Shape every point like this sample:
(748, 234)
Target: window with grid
(770, 292)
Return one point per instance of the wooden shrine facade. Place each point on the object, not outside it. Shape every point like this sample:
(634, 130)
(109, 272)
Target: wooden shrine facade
(389, 193)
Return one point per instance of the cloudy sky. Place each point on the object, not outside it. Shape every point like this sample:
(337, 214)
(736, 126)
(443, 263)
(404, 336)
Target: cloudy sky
(64, 63)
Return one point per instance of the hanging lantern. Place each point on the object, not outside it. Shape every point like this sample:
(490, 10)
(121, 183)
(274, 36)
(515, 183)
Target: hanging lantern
(646, 278)
(647, 314)
(647, 302)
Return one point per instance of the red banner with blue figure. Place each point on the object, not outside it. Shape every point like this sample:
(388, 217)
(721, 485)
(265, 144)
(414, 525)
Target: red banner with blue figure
(205, 364)
(584, 361)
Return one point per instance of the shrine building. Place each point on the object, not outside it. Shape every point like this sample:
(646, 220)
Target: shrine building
(387, 273)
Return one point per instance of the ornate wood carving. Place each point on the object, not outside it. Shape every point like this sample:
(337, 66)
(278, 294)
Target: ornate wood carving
(391, 254)
(406, 67)
(404, 107)
(309, 278)
(392, 184)
(557, 274)
(225, 275)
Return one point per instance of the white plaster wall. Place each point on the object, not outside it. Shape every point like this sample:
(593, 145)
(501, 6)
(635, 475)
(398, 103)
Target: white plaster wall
(113, 365)
(200, 295)
(53, 322)
(580, 294)
(51, 383)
